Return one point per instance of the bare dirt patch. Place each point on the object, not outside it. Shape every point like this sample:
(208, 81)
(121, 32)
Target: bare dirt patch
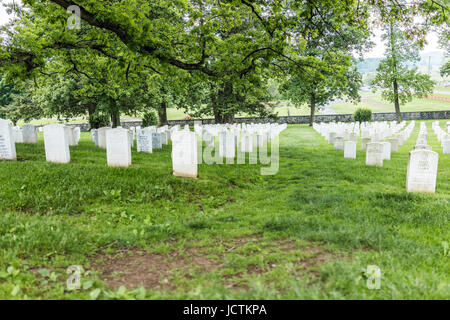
(134, 268)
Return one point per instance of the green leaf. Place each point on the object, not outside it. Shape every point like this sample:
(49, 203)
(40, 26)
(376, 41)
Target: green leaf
(88, 284)
(95, 293)
(44, 272)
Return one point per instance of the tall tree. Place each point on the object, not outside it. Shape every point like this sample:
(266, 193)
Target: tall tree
(445, 44)
(396, 73)
(330, 48)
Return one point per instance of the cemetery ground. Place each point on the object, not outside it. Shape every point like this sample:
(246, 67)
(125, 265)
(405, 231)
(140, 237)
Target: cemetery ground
(308, 232)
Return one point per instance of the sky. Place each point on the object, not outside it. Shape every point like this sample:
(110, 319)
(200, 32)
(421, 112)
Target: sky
(376, 52)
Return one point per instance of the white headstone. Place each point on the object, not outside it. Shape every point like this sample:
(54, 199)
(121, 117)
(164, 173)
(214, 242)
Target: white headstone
(156, 140)
(374, 154)
(350, 149)
(246, 142)
(353, 137)
(131, 137)
(56, 143)
(102, 136)
(331, 137)
(184, 154)
(339, 143)
(77, 134)
(394, 144)
(118, 148)
(386, 150)
(18, 136)
(364, 142)
(7, 144)
(29, 133)
(94, 135)
(144, 140)
(422, 171)
(71, 135)
(446, 146)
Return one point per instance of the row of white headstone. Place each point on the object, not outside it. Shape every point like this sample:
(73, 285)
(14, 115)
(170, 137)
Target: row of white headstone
(246, 137)
(57, 139)
(421, 173)
(230, 137)
(344, 136)
(443, 136)
(422, 164)
(118, 142)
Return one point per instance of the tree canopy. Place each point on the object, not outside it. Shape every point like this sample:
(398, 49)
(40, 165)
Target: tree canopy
(211, 57)
(399, 81)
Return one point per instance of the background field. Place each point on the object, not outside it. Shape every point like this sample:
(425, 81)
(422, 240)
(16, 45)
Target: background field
(310, 231)
(369, 100)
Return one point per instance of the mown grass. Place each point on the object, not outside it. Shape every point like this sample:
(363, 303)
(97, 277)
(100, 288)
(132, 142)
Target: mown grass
(308, 232)
(374, 102)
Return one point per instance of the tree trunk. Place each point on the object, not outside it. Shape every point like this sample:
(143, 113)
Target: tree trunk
(313, 108)
(91, 109)
(394, 67)
(115, 119)
(222, 98)
(162, 114)
(396, 102)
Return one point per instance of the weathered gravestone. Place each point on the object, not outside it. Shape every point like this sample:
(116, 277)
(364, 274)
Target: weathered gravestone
(71, 136)
(7, 144)
(394, 144)
(374, 154)
(144, 140)
(386, 150)
(118, 148)
(422, 138)
(94, 136)
(422, 171)
(164, 137)
(102, 136)
(364, 142)
(56, 143)
(18, 136)
(339, 143)
(184, 154)
(77, 134)
(131, 137)
(350, 149)
(29, 134)
(331, 137)
(446, 146)
(156, 140)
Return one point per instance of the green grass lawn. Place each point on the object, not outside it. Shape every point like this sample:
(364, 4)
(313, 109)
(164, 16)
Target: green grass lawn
(374, 102)
(308, 232)
(442, 88)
